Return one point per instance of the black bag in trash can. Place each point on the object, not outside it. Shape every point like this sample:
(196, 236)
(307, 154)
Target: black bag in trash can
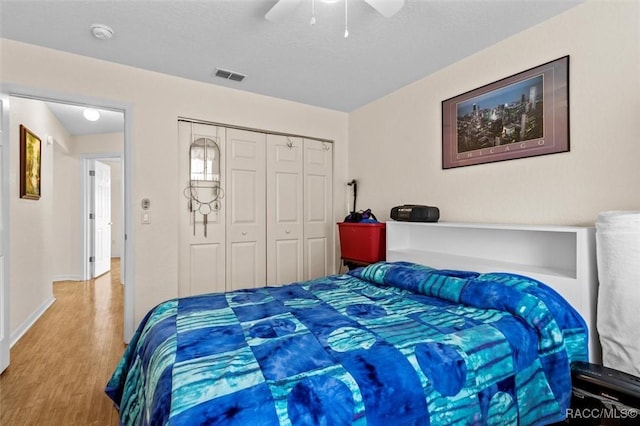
(362, 216)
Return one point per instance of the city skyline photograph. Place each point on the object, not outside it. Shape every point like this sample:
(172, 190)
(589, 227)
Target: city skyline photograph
(508, 115)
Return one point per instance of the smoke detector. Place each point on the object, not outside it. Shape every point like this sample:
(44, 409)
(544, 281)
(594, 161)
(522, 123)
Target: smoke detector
(101, 31)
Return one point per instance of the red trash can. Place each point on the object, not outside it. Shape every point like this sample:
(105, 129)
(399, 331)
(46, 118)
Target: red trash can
(362, 243)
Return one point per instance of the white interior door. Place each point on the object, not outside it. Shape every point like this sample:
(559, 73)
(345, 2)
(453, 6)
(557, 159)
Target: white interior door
(246, 205)
(202, 255)
(4, 218)
(101, 190)
(319, 226)
(284, 210)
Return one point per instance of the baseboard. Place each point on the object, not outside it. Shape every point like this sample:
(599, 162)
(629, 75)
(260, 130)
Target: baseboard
(66, 278)
(25, 326)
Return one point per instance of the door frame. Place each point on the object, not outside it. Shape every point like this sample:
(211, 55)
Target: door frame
(128, 265)
(86, 188)
(5, 331)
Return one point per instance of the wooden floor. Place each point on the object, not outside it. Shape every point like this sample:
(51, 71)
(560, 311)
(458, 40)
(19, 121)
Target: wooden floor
(59, 368)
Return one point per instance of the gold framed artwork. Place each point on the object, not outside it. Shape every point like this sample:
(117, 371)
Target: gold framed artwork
(30, 164)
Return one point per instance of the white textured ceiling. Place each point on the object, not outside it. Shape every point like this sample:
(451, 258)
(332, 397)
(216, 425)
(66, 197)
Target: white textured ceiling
(289, 59)
(72, 118)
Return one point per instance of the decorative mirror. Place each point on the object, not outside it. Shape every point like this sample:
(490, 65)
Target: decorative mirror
(204, 155)
(204, 191)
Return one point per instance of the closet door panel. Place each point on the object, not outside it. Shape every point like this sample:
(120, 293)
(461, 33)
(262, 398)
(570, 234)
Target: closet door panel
(204, 268)
(243, 258)
(317, 260)
(245, 198)
(284, 210)
(316, 195)
(202, 259)
(319, 227)
(243, 184)
(288, 268)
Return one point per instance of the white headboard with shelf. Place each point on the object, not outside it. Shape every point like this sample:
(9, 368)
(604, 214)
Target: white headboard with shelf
(563, 257)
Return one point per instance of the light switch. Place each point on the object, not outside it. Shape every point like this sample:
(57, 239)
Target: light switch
(146, 218)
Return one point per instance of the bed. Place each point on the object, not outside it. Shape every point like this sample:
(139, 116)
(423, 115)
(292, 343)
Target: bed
(393, 343)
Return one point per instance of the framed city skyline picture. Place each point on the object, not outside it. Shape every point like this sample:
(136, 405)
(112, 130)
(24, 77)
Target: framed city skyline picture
(524, 115)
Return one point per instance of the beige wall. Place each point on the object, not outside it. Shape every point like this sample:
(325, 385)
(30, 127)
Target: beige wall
(104, 143)
(400, 134)
(67, 209)
(156, 101)
(32, 244)
(117, 207)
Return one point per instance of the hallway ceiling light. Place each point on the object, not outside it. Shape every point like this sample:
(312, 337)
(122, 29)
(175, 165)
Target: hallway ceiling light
(91, 114)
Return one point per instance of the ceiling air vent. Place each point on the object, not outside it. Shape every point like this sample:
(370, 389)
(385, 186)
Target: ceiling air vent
(229, 75)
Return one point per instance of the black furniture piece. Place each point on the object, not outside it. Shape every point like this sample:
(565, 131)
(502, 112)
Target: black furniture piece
(603, 396)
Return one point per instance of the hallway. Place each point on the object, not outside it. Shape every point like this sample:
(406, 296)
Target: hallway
(60, 366)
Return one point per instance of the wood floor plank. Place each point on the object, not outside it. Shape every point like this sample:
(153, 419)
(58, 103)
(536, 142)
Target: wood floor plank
(60, 367)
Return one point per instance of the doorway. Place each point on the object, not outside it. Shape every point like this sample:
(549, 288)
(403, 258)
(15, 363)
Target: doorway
(9, 95)
(4, 232)
(103, 213)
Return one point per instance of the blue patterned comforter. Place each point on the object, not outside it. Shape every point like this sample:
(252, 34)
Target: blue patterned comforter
(389, 344)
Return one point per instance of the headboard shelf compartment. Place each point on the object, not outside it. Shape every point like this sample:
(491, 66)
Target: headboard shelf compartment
(478, 263)
(562, 257)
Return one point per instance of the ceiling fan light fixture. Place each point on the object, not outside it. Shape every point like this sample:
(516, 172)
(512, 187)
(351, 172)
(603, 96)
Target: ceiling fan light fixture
(313, 12)
(282, 8)
(346, 18)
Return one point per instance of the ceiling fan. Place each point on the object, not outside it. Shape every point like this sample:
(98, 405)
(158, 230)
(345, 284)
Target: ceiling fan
(386, 8)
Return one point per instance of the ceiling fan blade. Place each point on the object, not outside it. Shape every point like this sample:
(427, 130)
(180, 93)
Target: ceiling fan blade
(281, 9)
(386, 8)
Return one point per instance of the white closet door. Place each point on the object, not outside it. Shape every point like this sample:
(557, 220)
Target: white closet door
(319, 226)
(284, 210)
(202, 258)
(246, 206)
